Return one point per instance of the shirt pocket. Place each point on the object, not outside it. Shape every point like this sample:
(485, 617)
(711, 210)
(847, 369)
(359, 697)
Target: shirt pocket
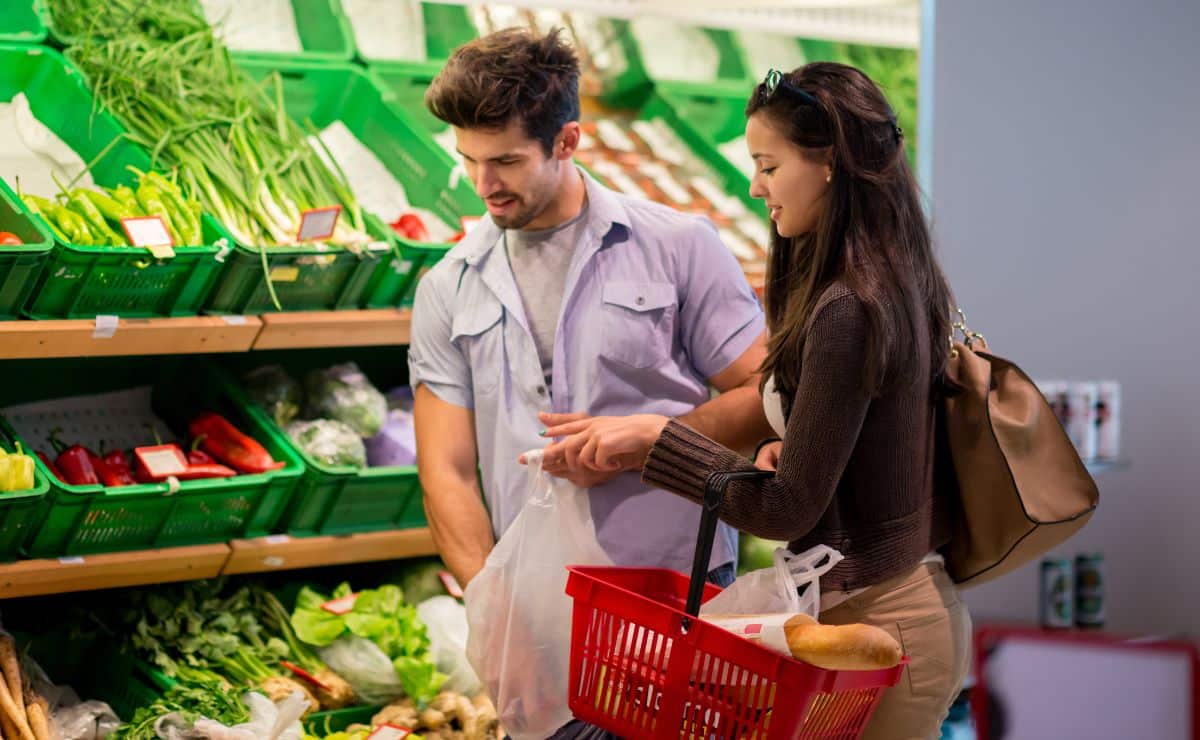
(638, 322)
(479, 335)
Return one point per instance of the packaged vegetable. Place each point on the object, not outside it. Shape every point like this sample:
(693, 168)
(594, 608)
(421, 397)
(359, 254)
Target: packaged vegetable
(329, 442)
(343, 392)
(276, 392)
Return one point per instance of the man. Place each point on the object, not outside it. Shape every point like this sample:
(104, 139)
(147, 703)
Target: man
(567, 299)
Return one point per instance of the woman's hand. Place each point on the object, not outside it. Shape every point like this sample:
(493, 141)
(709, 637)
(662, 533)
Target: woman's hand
(599, 444)
(768, 456)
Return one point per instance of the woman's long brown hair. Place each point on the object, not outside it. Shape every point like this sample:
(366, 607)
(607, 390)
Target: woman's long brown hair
(871, 233)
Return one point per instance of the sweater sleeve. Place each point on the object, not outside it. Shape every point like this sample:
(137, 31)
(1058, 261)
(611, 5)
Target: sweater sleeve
(822, 431)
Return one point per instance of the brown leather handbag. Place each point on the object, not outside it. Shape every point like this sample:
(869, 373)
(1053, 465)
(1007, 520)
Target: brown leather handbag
(1022, 488)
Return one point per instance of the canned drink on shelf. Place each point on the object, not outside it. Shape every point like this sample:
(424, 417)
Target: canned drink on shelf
(1081, 418)
(1090, 612)
(1108, 420)
(1057, 605)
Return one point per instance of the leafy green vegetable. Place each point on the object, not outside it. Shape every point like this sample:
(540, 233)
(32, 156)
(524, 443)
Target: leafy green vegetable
(329, 442)
(344, 393)
(381, 616)
(203, 695)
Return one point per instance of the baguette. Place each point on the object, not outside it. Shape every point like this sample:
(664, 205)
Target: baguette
(852, 647)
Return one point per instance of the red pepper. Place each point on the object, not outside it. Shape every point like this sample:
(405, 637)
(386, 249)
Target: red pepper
(50, 465)
(75, 462)
(110, 476)
(196, 456)
(115, 467)
(410, 226)
(194, 472)
(226, 443)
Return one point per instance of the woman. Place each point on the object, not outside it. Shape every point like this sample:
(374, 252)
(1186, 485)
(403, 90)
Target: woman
(858, 312)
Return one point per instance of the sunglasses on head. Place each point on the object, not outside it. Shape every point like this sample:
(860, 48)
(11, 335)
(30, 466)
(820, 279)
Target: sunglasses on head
(775, 81)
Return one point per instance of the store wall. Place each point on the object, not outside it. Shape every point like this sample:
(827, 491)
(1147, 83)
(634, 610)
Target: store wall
(1065, 186)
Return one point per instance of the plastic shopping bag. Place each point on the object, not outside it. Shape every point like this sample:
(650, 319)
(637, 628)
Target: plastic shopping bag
(446, 622)
(519, 615)
(790, 586)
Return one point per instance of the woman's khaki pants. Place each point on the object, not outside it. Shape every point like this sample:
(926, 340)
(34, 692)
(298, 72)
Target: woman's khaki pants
(922, 610)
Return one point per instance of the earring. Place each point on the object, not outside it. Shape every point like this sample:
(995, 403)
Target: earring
(829, 177)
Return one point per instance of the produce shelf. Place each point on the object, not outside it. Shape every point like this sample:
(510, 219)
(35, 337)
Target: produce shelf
(111, 570)
(367, 328)
(280, 552)
(93, 338)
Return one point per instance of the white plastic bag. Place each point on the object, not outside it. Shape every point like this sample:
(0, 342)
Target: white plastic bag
(519, 614)
(776, 590)
(365, 667)
(446, 624)
(268, 721)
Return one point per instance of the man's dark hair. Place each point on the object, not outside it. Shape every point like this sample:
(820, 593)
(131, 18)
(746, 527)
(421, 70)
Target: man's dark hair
(509, 75)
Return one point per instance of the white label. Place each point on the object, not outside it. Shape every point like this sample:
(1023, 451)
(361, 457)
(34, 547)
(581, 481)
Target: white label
(725, 205)
(763, 629)
(743, 251)
(76, 560)
(273, 561)
(669, 185)
(106, 326)
(150, 232)
(319, 223)
(389, 732)
(613, 137)
(664, 146)
(277, 539)
(234, 320)
(161, 462)
(340, 606)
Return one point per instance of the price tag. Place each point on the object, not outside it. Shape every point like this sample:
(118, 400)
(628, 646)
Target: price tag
(162, 461)
(319, 223)
(451, 584)
(150, 232)
(277, 539)
(287, 274)
(76, 560)
(234, 320)
(340, 606)
(389, 732)
(106, 326)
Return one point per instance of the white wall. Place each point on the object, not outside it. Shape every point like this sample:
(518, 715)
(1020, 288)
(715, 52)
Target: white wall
(1066, 202)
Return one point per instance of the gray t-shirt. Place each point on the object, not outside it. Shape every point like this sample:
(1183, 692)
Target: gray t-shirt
(540, 260)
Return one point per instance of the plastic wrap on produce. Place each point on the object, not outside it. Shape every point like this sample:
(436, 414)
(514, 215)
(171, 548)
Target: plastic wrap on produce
(396, 443)
(388, 29)
(673, 51)
(343, 393)
(276, 392)
(32, 153)
(254, 25)
(329, 442)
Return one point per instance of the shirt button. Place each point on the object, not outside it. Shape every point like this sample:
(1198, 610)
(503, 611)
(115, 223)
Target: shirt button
(541, 390)
(640, 301)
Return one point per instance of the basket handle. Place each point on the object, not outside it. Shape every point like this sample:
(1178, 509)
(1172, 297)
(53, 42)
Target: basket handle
(714, 494)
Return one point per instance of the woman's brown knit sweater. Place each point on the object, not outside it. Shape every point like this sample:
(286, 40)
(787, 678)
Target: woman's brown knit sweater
(855, 472)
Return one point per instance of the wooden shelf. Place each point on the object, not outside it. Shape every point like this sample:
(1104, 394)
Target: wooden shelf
(281, 552)
(376, 327)
(111, 570)
(87, 338)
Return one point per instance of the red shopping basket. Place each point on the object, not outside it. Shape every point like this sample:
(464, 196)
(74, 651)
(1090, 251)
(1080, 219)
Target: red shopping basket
(643, 669)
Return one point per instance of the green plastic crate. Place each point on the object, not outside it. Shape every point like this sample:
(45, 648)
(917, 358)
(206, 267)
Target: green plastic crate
(20, 23)
(20, 265)
(446, 28)
(326, 93)
(403, 87)
(83, 281)
(631, 89)
(332, 500)
(79, 520)
(19, 510)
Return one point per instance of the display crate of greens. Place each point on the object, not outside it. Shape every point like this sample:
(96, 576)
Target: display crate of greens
(240, 155)
(338, 494)
(20, 506)
(291, 29)
(25, 245)
(329, 95)
(83, 280)
(120, 404)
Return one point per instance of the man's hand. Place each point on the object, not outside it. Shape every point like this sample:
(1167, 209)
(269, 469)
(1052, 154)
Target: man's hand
(768, 456)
